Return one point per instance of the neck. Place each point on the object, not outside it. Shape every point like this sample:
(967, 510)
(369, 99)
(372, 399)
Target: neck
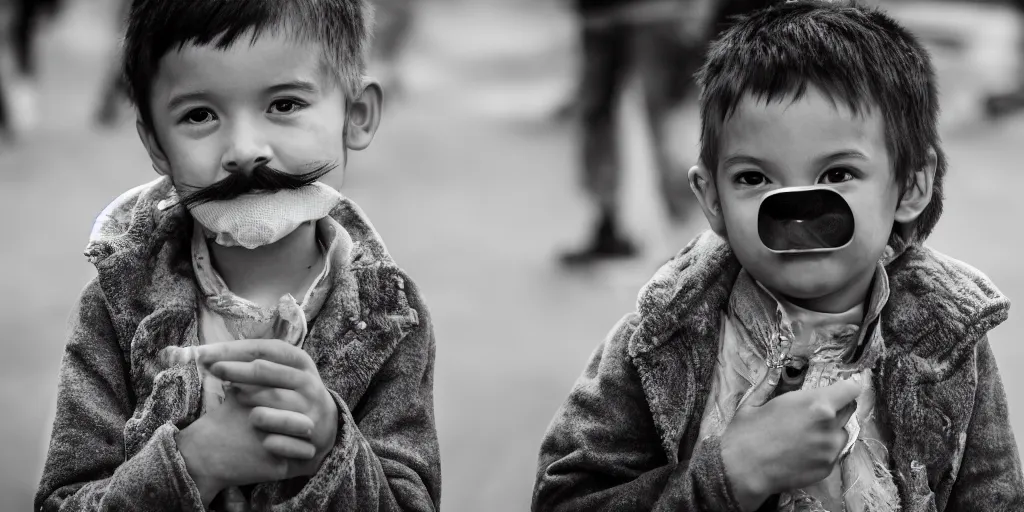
(270, 271)
(841, 300)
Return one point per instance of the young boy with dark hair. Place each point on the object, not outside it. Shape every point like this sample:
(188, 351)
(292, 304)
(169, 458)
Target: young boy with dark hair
(248, 343)
(810, 353)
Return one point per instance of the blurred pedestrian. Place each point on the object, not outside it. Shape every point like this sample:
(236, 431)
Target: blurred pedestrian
(22, 84)
(6, 15)
(660, 41)
(1004, 104)
(115, 92)
(4, 121)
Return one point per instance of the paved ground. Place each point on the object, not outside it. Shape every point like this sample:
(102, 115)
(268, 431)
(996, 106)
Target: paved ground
(474, 193)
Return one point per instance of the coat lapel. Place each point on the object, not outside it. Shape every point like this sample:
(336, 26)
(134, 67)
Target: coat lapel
(926, 381)
(675, 345)
(147, 277)
(366, 315)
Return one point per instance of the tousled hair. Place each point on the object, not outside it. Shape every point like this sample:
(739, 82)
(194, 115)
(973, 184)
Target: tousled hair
(857, 56)
(342, 28)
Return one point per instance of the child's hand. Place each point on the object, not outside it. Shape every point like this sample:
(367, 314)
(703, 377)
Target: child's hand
(789, 442)
(222, 449)
(282, 384)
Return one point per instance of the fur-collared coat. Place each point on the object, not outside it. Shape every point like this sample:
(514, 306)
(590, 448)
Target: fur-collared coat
(118, 409)
(624, 439)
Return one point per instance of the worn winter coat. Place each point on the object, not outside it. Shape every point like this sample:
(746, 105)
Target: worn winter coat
(113, 446)
(624, 440)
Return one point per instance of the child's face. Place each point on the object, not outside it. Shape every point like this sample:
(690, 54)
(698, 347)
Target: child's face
(270, 102)
(800, 143)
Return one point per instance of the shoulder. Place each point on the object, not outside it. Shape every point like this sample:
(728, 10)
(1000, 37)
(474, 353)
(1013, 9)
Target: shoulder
(618, 341)
(687, 293)
(130, 213)
(383, 287)
(92, 307)
(935, 293)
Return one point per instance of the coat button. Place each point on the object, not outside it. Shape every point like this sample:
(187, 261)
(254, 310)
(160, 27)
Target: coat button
(360, 326)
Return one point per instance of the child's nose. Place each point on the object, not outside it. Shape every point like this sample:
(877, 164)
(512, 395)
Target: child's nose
(244, 164)
(246, 153)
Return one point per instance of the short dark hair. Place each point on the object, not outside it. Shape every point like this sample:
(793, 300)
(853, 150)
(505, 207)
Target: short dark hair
(855, 55)
(155, 27)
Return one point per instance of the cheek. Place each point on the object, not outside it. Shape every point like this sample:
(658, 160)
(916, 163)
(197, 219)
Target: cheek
(875, 212)
(319, 138)
(740, 216)
(741, 229)
(195, 162)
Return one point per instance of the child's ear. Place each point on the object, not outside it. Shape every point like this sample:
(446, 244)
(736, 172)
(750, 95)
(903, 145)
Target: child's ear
(702, 182)
(918, 192)
(363, 116)
(161, 165)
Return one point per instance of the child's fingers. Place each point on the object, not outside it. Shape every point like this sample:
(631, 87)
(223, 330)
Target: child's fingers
(289, 447)
(252, 395)
(276, 421)
(839, 394)
(251, 350)
(260, 372)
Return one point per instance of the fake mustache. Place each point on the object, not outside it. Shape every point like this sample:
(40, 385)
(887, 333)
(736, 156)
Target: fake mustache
(262, 179)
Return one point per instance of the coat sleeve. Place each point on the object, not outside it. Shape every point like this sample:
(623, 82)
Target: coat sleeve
(386, 456)
(990, 472)
(602, 450)
(85, 466)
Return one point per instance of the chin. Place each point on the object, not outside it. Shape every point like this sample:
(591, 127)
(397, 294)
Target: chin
(804, 291)
(805, 277)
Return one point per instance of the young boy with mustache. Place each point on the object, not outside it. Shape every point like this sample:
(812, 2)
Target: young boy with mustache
(809, 353)
(248, 343)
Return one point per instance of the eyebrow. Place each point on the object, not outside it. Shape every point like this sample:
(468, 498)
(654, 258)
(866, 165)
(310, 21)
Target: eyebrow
(838, 155)
(295, 85)
(842, 155)
(180, 99)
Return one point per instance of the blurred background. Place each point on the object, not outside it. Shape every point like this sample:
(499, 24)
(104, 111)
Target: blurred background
(474, 182)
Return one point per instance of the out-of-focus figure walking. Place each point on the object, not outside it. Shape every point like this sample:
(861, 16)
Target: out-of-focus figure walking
(394, 21)
(1004, 104)
(114, 94)
(21, 27)
(6, 15)
(662, 42)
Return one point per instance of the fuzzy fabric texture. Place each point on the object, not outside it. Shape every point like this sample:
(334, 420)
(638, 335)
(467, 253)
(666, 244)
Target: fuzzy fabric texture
(118, 408)
(624, 439)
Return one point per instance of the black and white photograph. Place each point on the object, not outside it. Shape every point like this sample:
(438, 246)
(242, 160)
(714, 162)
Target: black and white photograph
(512, 255)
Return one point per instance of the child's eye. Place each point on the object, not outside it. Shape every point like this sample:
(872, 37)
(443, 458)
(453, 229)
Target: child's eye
(286, 106)
(751, 178)
(837, 175)
(198, 116)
